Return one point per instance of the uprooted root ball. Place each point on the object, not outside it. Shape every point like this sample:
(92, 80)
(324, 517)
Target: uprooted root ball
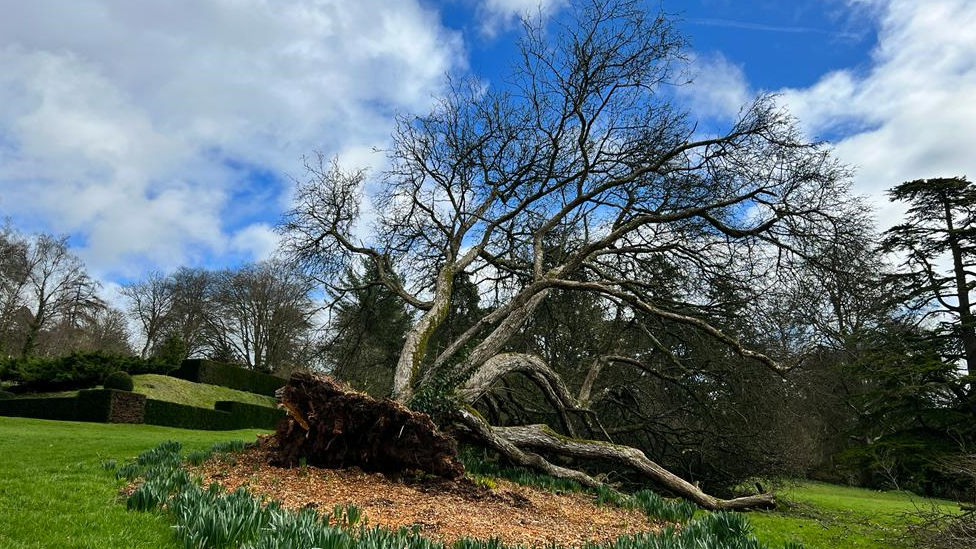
(332, 426)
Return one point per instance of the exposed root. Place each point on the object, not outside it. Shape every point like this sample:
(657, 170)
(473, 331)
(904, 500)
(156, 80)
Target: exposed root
(332, 426)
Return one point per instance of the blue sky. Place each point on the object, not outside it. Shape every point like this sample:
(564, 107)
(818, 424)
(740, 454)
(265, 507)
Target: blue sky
(777, 43)
(166, 132)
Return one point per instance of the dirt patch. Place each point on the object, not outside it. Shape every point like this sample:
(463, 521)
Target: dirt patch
(443, 509)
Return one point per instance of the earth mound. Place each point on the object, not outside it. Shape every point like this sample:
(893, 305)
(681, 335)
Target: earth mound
(442, 509)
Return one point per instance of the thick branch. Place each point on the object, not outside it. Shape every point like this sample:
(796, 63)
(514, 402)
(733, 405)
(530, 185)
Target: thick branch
(492, 439)
(540, 437)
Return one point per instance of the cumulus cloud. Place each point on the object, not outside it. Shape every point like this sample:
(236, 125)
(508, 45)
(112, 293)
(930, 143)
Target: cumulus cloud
(256, 240)
(718, 89)
(497, 14)
(908, 114)
(158, 131)
(912, 114)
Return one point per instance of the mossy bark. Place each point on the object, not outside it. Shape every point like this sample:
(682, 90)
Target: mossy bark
(415, 346)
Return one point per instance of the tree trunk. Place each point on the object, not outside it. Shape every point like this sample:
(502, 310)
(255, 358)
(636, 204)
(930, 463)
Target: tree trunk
(540, 437)
(967, 324)
(415, 346)
(491, 438)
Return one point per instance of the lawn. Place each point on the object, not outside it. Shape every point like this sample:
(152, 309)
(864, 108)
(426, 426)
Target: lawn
(54, 491)
(825, 516)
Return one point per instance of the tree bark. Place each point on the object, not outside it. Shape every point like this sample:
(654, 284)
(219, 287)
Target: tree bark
(540, 437)
(490, 437)
(415, 345)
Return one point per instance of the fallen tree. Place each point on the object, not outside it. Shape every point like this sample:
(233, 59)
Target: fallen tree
(329, 425)
(580, 177)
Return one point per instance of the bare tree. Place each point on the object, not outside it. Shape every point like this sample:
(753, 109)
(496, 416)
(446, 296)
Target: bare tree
(58, 288)
(262, 313)
(187, 319)
(580, 177)
(97, 329)
(13, 280)
(150, 301)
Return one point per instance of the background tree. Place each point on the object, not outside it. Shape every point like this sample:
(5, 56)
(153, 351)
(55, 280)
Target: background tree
(367, 329)
(186, 323)
(13, 279)
(940, 225)
(58, 289)
(48, 303)
(261, 315)
(150, 302)
(102, 329)
(584, 150)
(902, 369)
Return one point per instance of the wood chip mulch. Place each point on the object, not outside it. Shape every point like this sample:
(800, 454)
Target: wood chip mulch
(443, 510)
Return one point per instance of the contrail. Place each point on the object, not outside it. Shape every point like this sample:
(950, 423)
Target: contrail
(713, 22)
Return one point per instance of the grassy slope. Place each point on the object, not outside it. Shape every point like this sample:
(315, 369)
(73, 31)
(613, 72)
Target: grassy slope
(827, 516)
(55, 493)
(172, 389)
(181, 391)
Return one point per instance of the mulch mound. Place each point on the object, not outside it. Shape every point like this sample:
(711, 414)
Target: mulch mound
(443, 509)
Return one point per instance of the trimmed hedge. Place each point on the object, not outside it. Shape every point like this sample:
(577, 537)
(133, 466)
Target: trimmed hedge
(60, 408)
(225, 375)
(98, 405)
(119, 380)
(171, 414)
(251, 415)
(114, 406)
(231, 415)
(110, 406)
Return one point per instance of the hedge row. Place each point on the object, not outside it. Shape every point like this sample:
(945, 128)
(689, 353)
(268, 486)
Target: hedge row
(99, 405)
(251, 415)
(111, 406)
(60, 408)
(225, 375)
(235, 416)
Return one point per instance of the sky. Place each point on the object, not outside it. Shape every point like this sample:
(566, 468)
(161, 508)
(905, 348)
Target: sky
(162, 133)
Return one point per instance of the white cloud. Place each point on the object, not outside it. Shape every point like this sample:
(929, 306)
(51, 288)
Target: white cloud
(912, 114)
(497, 14)
(909, 114)
(156, 129)
(718, 90)
(259, 240)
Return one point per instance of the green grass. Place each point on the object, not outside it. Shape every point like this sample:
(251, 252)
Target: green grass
(177, 390)
(826, 516)
(181, 391)
(54, 491)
